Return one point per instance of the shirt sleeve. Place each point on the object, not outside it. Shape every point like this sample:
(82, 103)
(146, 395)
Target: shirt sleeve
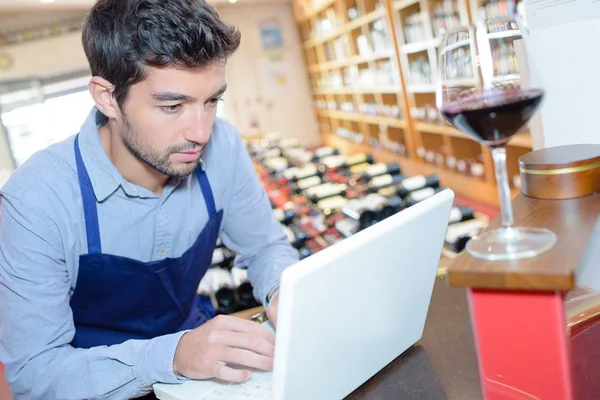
(251, 230)
(36, 323)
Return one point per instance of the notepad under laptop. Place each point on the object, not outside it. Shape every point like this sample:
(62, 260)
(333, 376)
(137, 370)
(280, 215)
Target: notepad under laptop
(346, 311)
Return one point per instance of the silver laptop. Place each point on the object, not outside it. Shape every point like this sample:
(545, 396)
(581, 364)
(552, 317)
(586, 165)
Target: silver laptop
(346, 311)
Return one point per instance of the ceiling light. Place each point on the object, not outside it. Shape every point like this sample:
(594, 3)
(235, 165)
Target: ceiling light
(233, 1)
(47, 1)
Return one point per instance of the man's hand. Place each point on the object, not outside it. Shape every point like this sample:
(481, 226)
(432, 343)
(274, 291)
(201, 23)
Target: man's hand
(273, 309)
(209, 350)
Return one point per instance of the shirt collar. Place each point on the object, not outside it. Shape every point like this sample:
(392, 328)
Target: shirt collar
(104, 176)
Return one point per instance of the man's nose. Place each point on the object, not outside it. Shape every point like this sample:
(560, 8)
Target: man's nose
(198, 131)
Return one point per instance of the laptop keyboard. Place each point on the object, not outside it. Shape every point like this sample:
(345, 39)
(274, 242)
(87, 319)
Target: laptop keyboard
(257, 388)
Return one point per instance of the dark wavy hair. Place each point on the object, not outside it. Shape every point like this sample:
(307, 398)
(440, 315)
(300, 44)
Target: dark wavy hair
(121, 38)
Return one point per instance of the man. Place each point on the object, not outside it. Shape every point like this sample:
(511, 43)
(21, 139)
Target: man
(105, 237)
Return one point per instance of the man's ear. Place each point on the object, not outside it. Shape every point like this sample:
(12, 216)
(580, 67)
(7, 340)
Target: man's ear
(102, 93)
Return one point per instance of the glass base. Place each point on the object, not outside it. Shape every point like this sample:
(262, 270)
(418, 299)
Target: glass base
(511, 243)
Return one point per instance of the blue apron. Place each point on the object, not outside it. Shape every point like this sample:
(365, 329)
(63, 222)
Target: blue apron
(118, 298)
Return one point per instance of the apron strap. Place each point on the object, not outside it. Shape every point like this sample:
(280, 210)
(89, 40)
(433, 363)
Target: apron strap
(90, 212)
(206, 191)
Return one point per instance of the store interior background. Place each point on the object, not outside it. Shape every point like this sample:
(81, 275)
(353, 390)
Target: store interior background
(43, 94)
(268, 89)
(44, 98)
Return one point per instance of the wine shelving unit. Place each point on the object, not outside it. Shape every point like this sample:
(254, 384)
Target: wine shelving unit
(372, 66)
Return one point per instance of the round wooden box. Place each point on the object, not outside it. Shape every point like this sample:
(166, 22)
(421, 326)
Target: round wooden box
(562, 172)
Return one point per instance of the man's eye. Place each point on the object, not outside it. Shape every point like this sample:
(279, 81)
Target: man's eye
(171, 109)
(214, 101)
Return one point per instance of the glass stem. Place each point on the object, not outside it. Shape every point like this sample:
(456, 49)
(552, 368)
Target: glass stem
(506, 211)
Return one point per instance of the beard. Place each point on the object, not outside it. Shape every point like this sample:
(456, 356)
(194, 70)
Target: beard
(160, 161)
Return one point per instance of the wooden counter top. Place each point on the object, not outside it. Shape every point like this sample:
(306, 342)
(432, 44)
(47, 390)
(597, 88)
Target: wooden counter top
(571, 220)
(442, 365)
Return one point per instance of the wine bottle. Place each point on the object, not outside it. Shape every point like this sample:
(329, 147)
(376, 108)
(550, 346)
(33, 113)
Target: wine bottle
(223, 289)
(347, 227)
(331, 204)
(458, 234)
(418, 182)
(357, 159)
(222, 257)
(451, 162)
(359, 168)
(277, 165)
(326, 151)
(380, 212)
(295, 236)
(372, 209)
(285, 217)
(333, 162)
(206, 284)
(307, 171)
(299, 155)
(476, 168)
(379, 169)
(389, 191)
(320, 192)
(244, 289)
(307, 183)
(460, 214)
(420, 195)
(303, 253)
(382, 181)
(273, 152)
(356, 207)
(289, 143)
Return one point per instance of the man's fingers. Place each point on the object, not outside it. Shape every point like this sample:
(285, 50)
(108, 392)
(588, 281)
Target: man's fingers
(225, 373)
(245, 358)
(248, 341)
(227, 322)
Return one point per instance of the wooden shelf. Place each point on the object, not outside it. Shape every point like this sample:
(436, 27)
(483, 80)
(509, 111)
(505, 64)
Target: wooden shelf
(359, 90)
(439, 129)
(401, 4)
(362, 46)
(350, 26)
(391, 122)
(520, 140)
(420, 46)
(316, 10)
(368, 119)
(421, 88)
(351, 61)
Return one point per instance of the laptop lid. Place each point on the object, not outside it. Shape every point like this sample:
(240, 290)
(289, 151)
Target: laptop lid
(352, 308)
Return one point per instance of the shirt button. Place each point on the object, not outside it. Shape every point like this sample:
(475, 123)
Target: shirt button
(162, 251)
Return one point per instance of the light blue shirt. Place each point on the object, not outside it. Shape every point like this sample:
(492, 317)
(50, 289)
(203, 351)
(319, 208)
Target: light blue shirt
(42, 234)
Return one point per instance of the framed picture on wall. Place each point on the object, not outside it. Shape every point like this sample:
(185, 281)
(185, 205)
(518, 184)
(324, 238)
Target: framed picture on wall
(270, 34)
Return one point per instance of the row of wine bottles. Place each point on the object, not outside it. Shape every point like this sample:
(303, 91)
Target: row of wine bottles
(321, 196)
(227, 285)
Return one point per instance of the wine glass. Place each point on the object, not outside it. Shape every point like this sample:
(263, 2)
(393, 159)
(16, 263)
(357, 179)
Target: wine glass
(482, 93)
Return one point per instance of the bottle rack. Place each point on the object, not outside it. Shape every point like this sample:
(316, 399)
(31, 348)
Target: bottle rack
(372, 67)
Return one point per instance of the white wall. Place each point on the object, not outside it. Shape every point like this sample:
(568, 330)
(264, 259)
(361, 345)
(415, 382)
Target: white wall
(6, 160)
(564, 48)
(269, 86)
(45, 57)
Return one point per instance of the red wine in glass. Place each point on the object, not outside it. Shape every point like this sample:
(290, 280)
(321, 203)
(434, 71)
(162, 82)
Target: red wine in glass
(493, 118)
(490, 106)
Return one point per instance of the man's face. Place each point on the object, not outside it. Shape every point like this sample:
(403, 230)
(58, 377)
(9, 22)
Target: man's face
(168, 117)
